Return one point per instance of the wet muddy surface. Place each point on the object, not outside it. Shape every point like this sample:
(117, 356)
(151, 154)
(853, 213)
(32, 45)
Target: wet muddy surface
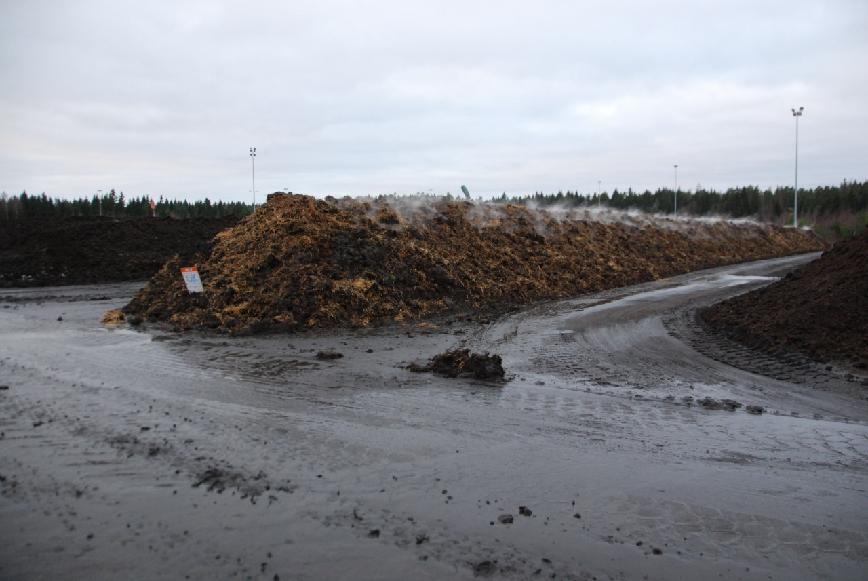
(613, 450)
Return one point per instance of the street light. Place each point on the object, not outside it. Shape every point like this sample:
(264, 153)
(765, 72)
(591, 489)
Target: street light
(99, 200)
(253, 175)
(796, 115)
(676, 188)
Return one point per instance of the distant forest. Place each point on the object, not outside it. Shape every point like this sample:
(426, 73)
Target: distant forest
(769, 205)
(834, 210)
(112, 205)
(842, 208)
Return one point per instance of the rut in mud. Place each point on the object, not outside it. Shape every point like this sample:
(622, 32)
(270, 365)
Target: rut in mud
(301, 263)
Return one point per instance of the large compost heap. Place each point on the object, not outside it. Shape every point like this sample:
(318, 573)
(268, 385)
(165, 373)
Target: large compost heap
(302, 262)
(55, 251)
(820, 309)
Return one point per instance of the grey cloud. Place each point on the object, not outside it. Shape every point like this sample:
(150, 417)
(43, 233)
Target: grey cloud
(348, 97)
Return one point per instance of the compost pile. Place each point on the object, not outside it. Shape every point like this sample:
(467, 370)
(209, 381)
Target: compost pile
(41, 252)
(820, 310)
(301, 263)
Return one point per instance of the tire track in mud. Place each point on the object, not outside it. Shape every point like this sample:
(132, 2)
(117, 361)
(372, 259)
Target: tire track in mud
(388, 445)
(172, 449)
(749, 537)
(790, 367)
(67, 435)
(660, 373)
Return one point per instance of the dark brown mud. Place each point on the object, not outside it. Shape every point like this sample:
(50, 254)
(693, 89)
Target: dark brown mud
(147, 454)
(820, 309)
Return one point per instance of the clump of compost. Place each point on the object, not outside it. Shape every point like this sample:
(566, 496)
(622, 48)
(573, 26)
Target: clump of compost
(461, 362)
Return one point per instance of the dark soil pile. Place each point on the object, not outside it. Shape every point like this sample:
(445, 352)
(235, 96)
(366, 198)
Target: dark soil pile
(91, 250)
(300, 262)
(820, 310)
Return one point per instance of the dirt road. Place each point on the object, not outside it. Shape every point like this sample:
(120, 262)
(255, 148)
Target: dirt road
(150, 455)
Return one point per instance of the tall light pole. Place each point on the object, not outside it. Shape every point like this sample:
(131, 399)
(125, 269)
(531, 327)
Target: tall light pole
(676, 188)
(796, 115)
(253, 175)
(99, 200)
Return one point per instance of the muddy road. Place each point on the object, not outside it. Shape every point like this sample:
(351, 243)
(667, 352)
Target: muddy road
(610, 453)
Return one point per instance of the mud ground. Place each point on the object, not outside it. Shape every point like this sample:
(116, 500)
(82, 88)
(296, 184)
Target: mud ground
(151, 455)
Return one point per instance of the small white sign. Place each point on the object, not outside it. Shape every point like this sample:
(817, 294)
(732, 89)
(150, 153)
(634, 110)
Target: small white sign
(192, 280)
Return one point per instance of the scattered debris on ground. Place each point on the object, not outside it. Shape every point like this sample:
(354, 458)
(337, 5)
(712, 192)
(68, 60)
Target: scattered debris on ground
(215, 478)
(461, 362)
(484, 569)
(301, 263)
(328, 355)
(820, 310)
(710, 403)
(113, 317)
(90, 250)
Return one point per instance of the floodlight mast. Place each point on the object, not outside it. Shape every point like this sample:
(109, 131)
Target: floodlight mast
(676, 189)
(253, 175)
(796, 115)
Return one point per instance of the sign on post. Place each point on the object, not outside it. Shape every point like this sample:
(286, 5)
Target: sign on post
(192, 280)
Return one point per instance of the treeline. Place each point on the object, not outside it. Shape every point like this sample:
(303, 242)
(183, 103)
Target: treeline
(771, 205)
(113, 205)
(816, 205)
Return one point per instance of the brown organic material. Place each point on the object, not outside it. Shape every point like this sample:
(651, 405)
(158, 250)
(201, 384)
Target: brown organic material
(301, 262)
(113, 317)
(463, 362)
(820, 310)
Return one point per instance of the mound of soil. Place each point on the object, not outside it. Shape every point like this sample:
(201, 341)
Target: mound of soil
(300, 262)
(820, 309)
(91, 250)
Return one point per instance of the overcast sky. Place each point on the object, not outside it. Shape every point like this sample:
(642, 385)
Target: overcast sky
(405, 96)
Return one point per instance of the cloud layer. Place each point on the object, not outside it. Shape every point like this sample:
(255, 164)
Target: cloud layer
(379, 97)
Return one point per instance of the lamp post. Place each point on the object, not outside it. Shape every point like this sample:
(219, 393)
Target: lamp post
(99, 201)
(796, 115)
(676, 188)
(253, 175)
